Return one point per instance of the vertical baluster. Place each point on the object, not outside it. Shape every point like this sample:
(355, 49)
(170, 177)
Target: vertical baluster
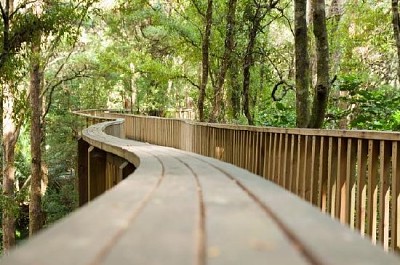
(272, 156)
(384, 173)
(266, 153)
(293, 160)
(340, 180)
(307, 172)
(395, 231)
(279, 178)
(362, 157)
(350, 191)
(315, 147)
(286, 163)
(323, 174)
(300, 165)
(332, 173)
(256, 153)
(372, 189)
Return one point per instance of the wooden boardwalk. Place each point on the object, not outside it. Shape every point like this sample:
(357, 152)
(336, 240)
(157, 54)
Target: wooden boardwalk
(181, 208)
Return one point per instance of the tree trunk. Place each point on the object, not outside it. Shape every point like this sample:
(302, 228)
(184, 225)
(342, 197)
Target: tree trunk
(301, 64)
(249, 61)
(396, 31)
(9, 139)
(335, 15)
(10, 133)
(35, 209)
(226, 60)
(205, 59)
(321, 91)
(235, 90)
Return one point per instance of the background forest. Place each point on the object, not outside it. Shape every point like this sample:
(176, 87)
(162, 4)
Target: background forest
(245, 62)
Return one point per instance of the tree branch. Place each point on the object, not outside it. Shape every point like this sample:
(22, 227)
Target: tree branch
(22, 5)
(53, 88)
(187, 79)
(286, 88)
(194, 2)
(3, 13)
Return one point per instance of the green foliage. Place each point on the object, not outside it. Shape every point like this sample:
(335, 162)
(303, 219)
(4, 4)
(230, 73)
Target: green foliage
(366, 106)
(375, 109)
(61, 198)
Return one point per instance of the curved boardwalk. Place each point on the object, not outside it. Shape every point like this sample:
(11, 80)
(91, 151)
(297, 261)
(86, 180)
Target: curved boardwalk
(181, 208)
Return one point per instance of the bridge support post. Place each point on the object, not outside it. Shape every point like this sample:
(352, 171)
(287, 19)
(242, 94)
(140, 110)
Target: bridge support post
(125, 169)
(97, 160)
(83, 147)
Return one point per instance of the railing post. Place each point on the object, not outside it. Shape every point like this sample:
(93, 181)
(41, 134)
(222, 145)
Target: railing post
(125, 169)
(83, 171)
(96, 172)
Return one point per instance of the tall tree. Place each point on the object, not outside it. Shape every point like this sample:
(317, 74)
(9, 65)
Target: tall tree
(322, 87)
(35, 209)
(316, 118)
(396, 31)
(301, 63)
(205, 64)
(10, 131)
(254, 18)
(226, 60)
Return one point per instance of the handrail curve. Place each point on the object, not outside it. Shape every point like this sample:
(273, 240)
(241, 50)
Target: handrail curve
(183, 208)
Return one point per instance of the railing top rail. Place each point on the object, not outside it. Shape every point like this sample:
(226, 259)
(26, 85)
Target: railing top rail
(359, 134)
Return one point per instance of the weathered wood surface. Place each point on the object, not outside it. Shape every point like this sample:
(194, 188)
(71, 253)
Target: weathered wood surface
(183, 208)
(342, 172)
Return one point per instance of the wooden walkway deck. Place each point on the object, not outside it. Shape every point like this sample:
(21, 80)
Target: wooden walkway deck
(181, 208)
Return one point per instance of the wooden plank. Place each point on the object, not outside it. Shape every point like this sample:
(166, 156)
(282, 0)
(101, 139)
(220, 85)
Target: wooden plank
(259, 239)
(80, 238)
(384, 193)
(395, 217)
(362, 156)
(293, 160)
(83, 164)
(270, 156)
(332, 173)
(350, 188)
(96, 172)
(286, 162)
(280, 157)
(308, 171)
(341, 180)
(323, 174)
(309, 227)
(372, 189)
(315, 162)
(159, 219)
(257, 166)
(300, 165)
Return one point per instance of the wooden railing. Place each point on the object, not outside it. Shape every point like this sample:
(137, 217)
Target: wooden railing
(180, 208)
(100, 167)
(351, 175)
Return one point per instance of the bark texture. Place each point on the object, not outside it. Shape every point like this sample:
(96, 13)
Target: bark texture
(234, 90)
(396, 32)
(249, 60)
(302, 64)
(10, 135)
(35, 208)
(322, 87)
(205, 59)
(226, 61)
